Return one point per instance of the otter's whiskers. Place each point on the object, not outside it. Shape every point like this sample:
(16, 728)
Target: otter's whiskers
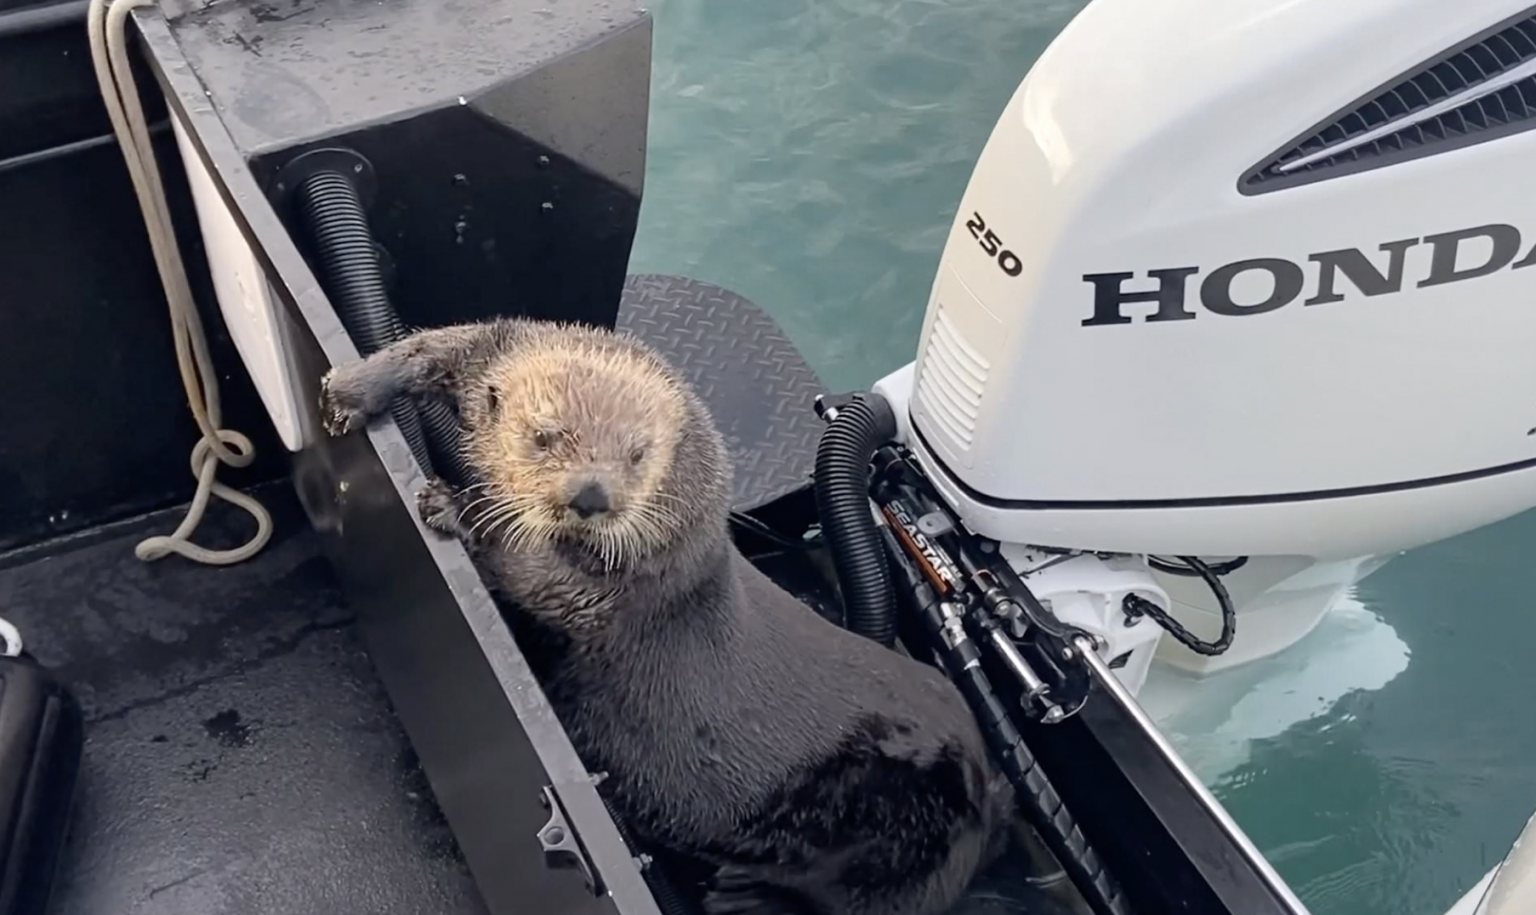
(529, 525)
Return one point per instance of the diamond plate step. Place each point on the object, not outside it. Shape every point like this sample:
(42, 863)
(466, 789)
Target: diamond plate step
(754, 379)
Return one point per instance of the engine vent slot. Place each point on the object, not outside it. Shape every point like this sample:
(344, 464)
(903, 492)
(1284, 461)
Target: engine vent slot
(1481, 91)
(950, 381)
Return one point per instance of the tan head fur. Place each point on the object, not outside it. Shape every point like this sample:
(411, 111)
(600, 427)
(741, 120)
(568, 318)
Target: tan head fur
(575, 434)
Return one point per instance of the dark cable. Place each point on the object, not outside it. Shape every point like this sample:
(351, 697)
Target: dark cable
(747, 522)
(1184, 569)
(1135, 605)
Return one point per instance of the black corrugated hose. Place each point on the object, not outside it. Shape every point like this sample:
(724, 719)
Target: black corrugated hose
(849, 442)
(354, 281)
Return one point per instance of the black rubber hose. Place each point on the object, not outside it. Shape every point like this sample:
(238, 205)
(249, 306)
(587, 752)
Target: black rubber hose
(354, 281)
(842, 500)
(443, 432)
(668, 897)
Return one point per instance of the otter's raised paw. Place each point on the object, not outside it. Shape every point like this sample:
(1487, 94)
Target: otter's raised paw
(438, 506)
(342, 405)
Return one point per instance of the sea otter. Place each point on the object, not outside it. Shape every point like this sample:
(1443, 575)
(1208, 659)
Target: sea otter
(818, 771)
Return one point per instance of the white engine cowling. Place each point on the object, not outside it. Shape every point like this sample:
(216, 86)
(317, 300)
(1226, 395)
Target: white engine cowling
(1151, 332)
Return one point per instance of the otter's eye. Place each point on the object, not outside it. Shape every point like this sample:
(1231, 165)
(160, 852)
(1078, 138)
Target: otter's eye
(491, 399)
(541, 438)
(637, 455)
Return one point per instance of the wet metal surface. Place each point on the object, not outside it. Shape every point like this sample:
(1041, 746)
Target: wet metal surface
(241, 755)
(282, 70)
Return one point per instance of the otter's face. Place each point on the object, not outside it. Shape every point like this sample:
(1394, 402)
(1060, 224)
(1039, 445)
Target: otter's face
(577, 445)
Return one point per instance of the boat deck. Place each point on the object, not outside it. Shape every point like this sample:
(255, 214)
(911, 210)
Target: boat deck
(241, 756)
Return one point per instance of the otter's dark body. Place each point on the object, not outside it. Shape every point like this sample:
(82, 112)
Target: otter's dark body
(819, 771)
(738, 726)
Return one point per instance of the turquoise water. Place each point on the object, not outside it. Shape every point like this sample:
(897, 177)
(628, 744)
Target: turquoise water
(809, 155)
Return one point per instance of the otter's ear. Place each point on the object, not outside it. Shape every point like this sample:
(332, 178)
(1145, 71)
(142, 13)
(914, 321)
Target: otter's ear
(492, 398)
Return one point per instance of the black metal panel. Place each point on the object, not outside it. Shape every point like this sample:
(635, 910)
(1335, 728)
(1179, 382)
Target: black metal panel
(285, 72)
(476, 219)
(485, 734)
(507, 139)
(96, 422)
(47, 12)
(48, 93)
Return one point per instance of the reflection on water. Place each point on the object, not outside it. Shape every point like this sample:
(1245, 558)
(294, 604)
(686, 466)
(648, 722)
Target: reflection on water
(1397, 800)
(1215, 721)
(811, 155)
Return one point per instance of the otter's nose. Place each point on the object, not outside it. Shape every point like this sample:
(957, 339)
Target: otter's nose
(591, 500)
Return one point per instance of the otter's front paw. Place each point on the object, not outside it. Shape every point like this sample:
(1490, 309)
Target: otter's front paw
(438, 506)
(343, 406)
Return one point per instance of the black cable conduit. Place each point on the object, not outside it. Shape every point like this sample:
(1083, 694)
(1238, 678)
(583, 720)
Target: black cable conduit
(856, 430)
(345, 248)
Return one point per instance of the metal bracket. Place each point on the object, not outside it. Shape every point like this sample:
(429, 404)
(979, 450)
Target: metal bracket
(562, 848)
(827, 405)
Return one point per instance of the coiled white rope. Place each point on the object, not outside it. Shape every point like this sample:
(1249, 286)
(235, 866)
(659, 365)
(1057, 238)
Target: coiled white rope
(107, 25)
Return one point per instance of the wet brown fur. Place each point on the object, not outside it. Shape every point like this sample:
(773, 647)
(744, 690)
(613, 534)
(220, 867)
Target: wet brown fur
(609, 413)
